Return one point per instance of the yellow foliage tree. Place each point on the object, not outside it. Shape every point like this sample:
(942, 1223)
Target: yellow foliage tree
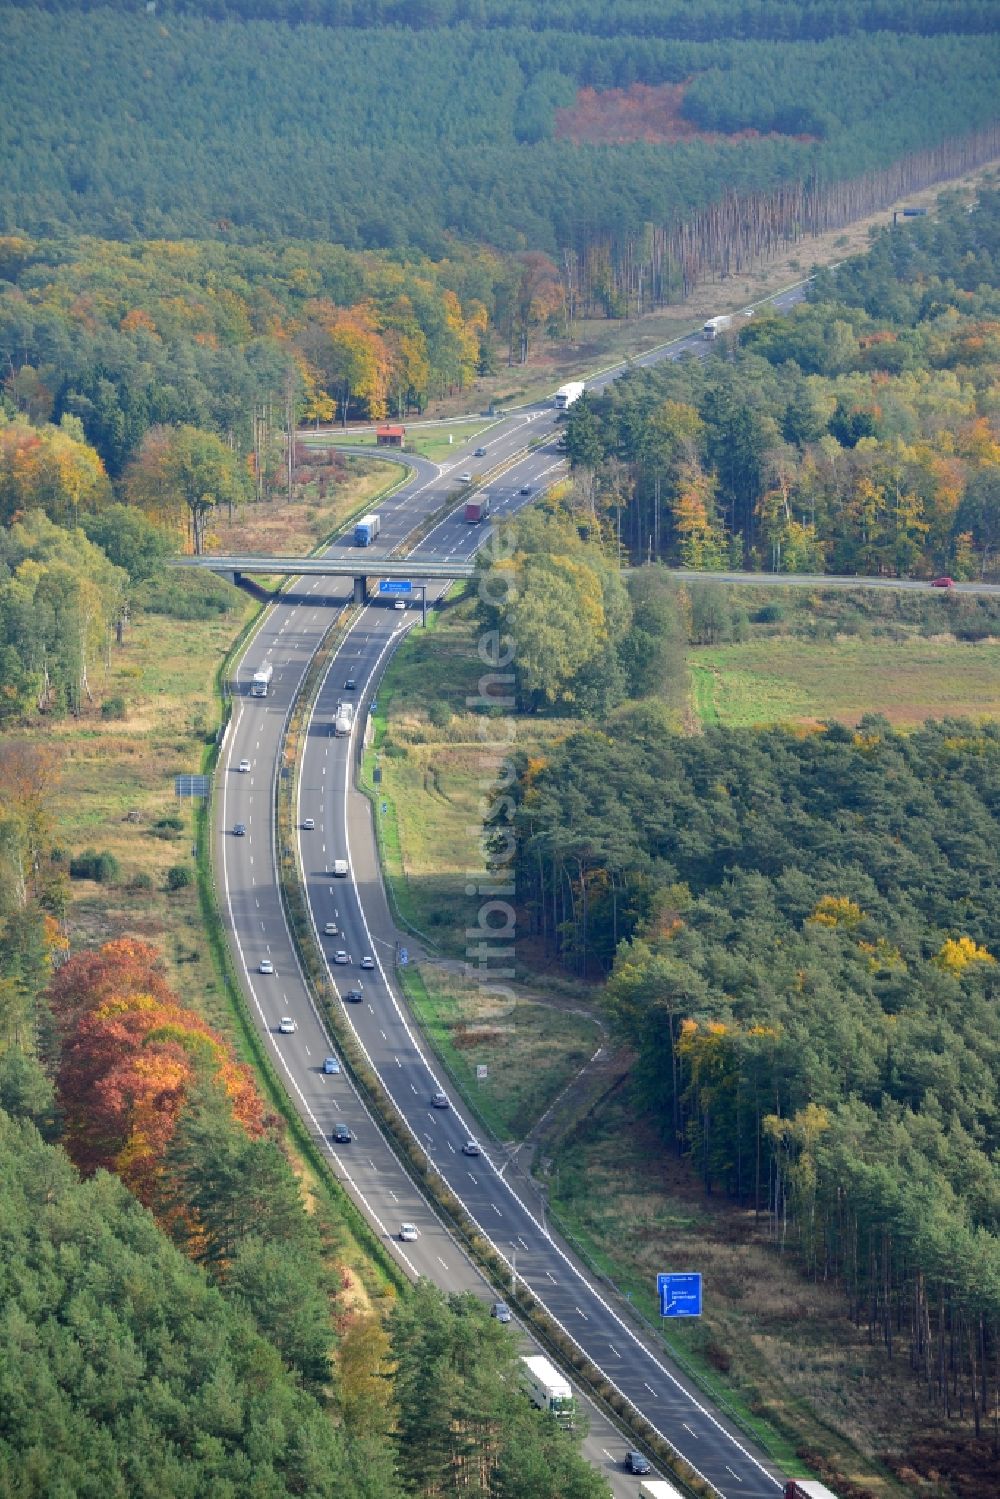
(957, 953)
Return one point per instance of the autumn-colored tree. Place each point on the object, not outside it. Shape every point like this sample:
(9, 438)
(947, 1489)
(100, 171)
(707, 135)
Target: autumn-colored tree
(130, 1054)
(181, 474)
(51, 469)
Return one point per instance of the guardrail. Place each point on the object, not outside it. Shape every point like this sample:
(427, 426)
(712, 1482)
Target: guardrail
(393, 1125)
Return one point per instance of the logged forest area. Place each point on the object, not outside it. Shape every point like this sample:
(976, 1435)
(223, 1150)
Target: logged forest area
(198, 121)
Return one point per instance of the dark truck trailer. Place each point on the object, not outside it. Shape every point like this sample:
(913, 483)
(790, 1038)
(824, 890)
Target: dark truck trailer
(477, 510)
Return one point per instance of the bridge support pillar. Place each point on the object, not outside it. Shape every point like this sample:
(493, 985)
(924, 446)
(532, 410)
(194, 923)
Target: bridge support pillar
(361, 590)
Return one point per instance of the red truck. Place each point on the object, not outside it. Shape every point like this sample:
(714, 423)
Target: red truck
(477, 509)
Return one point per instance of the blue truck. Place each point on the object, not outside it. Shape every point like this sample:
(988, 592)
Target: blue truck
(366, 530)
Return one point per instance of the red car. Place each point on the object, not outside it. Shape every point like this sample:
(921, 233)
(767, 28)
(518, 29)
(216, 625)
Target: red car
(943, 583)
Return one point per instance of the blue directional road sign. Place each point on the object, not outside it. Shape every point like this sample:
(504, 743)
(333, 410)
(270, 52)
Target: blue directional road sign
(395, 585)
(404, 957)
(680, 1295)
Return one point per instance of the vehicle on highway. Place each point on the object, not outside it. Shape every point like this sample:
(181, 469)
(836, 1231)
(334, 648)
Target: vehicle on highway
(636, 1463)
(367, 961)
(350, 685)
(945, 582)
(340, 868)
(240, 830)
(465, 478)
(408, 1233)
(400, 604)
(287, 1026)
(341, 1134)
(244, 765)
(440, 1100)
(807, 1488)
(330, 1065)
(308, 824)
(471, 1147)
(547, 1388)
(331, 929)
(340, 956)
(525, 489)
(261, 680)
(501, 1311)
(479, 453)
(355, 996)
(265, 966)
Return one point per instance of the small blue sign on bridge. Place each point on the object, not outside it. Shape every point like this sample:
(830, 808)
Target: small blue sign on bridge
(395, 585)
(680, 1294)
(404, 957)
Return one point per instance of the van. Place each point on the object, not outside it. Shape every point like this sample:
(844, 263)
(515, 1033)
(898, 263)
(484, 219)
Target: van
(340, 868)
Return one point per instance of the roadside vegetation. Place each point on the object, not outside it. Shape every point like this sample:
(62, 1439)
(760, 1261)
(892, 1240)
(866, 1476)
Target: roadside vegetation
(856, 435)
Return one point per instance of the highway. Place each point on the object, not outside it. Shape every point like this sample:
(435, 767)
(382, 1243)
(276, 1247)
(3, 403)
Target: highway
(509, 1215)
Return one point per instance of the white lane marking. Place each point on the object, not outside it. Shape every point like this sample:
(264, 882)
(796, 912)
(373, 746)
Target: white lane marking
(441, 1261)
(735, 1475)
(614, 1350)
(649, 1387)
(524, 1208)
(496, 1209)
(583, 1314)
(690, 1429)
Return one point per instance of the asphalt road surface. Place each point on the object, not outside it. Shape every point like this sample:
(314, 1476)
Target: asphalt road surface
(505, 1207)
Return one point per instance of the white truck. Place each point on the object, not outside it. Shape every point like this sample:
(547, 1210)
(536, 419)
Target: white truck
(658, 1488)
(717, 325)
(567, 394)
(261, 680)
(807, 1488)
(343, 720)
(547, 1388)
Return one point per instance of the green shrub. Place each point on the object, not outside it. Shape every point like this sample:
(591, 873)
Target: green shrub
(140, 881)
(113, 707)
(90, 865)
(178, 876)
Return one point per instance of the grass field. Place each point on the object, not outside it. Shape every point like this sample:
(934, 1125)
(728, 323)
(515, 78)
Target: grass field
(769, 681)
(427, 439)
(531, 1050)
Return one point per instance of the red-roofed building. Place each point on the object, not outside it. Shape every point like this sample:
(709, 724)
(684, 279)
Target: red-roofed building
(387, 436)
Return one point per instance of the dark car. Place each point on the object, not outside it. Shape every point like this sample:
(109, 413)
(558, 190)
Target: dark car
(341, 1134)
(240, 830)
(525, 488)
(501, 1311)
(636, 1463)
(439, 1100)
(350, 685)
(354, 996)
(479, 453)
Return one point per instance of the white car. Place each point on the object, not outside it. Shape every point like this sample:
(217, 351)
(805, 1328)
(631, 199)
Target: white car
(244, 765)
(330, 929)
(465, 478)
(308, 824)
(399, 604)
(265, 966)
(367, 961)
(287, 1026)
(408, 1233)
(340, 956)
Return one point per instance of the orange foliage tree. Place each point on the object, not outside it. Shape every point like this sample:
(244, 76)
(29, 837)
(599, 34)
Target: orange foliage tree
(131, 1052)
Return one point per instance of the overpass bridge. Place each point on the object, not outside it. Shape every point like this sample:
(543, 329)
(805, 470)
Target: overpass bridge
(359, 568)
